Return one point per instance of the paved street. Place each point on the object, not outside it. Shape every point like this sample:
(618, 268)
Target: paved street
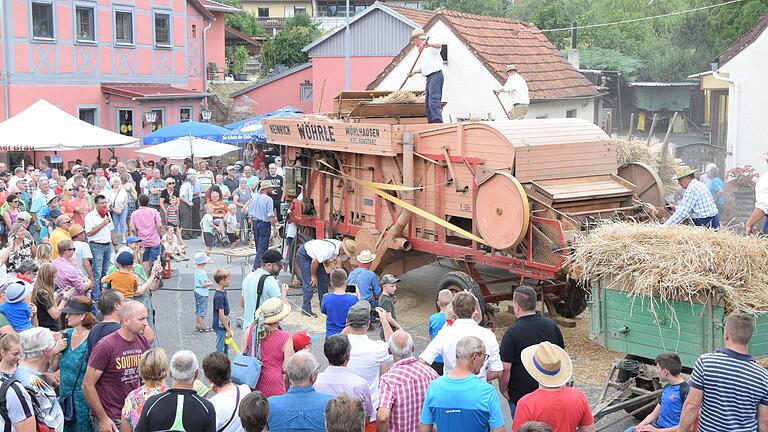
(174, 308)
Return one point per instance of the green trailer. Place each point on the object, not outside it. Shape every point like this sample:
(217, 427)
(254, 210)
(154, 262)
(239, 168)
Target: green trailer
(644, 327)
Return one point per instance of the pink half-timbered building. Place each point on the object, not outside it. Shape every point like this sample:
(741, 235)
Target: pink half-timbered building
(110, 61)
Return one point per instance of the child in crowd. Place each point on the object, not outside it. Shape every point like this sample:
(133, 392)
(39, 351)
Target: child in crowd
(47, 215)
(437, 321)
(221, 323)
(172, 218)
(302, 341)
(667, 411)
(387, 300)
(201, 291)
(124, 280)
(366, 281)
(208, 227)
(336, 304)
(21, 314)
(172, 247)
(233, 228)
(534, 426)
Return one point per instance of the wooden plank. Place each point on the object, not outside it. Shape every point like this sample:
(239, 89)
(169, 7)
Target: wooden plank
(368, 109)
(373, 139)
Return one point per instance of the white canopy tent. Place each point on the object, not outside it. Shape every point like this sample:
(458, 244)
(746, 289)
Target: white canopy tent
(45, 127)
(189, 146)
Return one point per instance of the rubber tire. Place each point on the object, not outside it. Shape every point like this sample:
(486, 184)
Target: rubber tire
(574, 302)
(624, 377)
(463, 282)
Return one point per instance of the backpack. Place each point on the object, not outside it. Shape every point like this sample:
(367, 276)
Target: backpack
(40, 424)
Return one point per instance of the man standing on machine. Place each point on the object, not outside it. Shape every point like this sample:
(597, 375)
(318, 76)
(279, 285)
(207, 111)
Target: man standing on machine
(430, 64)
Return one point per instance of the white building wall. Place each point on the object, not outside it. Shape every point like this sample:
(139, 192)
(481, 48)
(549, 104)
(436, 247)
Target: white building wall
(468, 87)
(747, 115)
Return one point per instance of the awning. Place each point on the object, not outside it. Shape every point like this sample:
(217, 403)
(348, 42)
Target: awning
(147, 92)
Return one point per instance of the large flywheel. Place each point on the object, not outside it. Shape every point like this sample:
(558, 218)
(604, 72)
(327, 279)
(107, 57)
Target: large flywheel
(649, 187)
(501, 213)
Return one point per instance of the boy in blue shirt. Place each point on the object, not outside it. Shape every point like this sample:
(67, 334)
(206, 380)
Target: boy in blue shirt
(337, 303)
(437, 321)
(666, 415)
(201, 291)
(16, 307)
(221, 310)
(366, 281)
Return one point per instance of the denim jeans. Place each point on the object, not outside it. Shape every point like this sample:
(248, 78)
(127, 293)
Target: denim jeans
(101, 256)
(120, 222)
(304, 262)
(512, 408)
(261, 233)
(434, 97)
(220, 345)
(289, 248)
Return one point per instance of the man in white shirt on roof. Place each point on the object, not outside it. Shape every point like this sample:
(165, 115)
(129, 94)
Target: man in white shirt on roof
(431, 66)
(517, 89)
(465, 305)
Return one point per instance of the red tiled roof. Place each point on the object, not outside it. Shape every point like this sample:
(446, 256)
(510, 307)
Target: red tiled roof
(219, 7)
(497, 42)
(200, 8)
(243, 36)
(150, 91)
(744, 41)
(419, 16)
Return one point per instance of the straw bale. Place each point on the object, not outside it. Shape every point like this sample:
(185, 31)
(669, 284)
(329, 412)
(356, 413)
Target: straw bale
(400, 96)
(636, 150)
(676, 262)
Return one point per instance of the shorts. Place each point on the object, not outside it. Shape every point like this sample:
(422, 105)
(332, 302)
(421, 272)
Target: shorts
(233, 237)
(209, 239)
(151, 253)
(173, 224)
(95, 422)
(201, 305)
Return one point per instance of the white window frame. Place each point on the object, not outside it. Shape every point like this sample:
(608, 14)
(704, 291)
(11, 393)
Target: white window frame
(191, 113)
(129, 10)
(575, 112)
(95, 109)
(133, 120)
(169, 14)
(92, 7)
(163, 118)
(302, 87)
(50, 4)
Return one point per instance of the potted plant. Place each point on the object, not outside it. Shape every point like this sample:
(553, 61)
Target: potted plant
(240, 59)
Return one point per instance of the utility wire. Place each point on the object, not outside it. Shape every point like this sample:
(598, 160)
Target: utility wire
(634, 20)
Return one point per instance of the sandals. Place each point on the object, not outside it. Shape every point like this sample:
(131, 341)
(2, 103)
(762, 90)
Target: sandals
(203, 329)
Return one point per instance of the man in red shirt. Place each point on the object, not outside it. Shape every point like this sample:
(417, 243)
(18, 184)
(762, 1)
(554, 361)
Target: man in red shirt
(565, 409)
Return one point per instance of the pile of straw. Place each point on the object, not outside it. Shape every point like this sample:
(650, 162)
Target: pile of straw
(637, 150)
(399, 97)
(676, 263)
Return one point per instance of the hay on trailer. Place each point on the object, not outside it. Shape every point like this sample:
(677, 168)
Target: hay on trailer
(400, 96)
(636, 150)
(676, 263)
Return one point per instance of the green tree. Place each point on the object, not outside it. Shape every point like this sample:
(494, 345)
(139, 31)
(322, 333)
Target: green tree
(286, 48)
(479, 7)
(245, 22)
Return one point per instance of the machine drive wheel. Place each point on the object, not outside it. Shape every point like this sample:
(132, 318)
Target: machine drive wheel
(630, 369)
(460, 281)
(573, 302)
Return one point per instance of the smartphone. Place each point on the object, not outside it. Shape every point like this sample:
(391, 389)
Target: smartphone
(351, 288)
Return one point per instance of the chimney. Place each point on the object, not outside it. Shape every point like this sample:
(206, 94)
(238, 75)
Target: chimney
(573, 58)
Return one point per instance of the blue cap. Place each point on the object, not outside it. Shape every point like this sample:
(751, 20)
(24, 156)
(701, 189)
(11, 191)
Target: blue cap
(132, 239)
(124, 258)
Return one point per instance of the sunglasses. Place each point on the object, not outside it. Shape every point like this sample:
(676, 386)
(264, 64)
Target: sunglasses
(65, 222)
(171, 183)
(70, 249)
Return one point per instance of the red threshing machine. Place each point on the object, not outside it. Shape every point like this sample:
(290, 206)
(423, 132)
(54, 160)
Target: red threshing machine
(508, 195)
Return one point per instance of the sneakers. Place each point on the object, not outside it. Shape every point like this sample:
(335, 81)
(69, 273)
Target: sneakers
(309, 314)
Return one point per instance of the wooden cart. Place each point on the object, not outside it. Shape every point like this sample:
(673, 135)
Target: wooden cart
(644, 327)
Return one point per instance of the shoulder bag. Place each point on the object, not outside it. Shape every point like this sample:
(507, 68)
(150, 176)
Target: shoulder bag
(246, 367)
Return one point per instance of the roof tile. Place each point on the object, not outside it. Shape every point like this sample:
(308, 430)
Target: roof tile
(419, 16)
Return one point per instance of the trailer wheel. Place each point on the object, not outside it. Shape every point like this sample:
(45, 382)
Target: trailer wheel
(573, 302)
(460, 281)
(631, 370)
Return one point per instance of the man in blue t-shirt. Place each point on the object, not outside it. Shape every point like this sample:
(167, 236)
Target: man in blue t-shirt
(336, 304)
(460, 401)
(667, 411)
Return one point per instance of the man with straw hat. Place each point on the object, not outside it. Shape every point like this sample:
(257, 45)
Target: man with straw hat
(316, 258)
(430, 64)
(364, 279)
(697, 202)
(563, 408)
(761, 202)
(263, 220)
(517, 89)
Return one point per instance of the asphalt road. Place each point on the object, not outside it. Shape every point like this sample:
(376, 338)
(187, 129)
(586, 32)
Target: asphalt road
(175, 321)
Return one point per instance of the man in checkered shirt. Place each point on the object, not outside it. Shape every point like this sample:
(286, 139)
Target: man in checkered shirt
(697, 202)
(403, 387)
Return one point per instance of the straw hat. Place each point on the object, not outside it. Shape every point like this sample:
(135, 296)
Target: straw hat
(418, 33)
(74, 229)
(511, 67)
(548, 364)
(266, 184)
(683, 171)
(365, 257)
(349, 247)
(274, 310)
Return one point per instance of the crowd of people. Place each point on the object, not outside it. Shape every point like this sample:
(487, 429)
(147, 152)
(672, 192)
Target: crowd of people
(82, 255)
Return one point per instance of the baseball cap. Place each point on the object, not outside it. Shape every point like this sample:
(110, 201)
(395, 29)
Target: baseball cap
(17, 291)
(75, 307)
(201, 258)
(124, 258)
(389, 279)
(132, 239)
(272, 257)
(25, 216)
(359, 314)
(301, 339)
